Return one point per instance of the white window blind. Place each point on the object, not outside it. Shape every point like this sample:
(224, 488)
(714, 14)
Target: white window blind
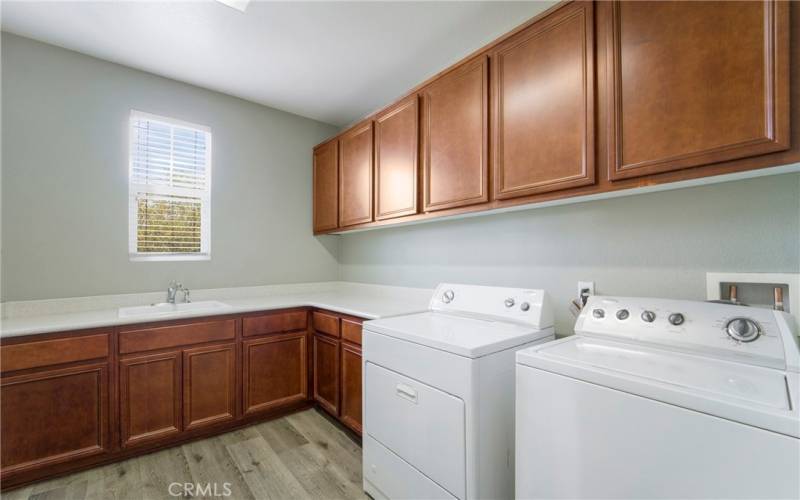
(170, 189)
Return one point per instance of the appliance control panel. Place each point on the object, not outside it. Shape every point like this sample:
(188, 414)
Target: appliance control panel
(749, 334)
(519, 305)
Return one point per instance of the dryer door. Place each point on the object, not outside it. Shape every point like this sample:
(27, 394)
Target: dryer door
(421, 424)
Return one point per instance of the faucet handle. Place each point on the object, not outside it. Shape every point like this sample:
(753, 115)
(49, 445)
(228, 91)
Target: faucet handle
(186, 295)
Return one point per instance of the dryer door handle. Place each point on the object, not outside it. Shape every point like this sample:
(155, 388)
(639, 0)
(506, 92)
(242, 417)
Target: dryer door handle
(406, 392)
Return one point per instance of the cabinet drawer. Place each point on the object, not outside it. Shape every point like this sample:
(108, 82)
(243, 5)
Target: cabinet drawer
(351, 331)
(148, 339)
(275, 323)
(52, 352)
(326, 323)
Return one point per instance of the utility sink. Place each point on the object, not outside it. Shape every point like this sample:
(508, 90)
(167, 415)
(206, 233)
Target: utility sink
(165, 309)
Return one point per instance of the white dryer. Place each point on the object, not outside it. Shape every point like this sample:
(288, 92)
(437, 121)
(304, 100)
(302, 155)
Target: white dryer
(439, 393)
(657, 398)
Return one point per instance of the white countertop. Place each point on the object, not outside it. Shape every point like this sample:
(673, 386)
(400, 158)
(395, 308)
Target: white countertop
(364, 301)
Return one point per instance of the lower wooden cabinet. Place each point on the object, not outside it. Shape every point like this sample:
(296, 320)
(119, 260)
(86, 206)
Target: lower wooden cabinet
(209, 385)
(350, 412)
(274, 372)
(54, 416)
(150, 397)
(337, 368)
(326, 372)
(73, 399)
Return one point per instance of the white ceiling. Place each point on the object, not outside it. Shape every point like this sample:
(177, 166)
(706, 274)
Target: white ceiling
(332, 61)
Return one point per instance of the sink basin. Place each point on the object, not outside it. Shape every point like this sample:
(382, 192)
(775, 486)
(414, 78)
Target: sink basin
(165, 309)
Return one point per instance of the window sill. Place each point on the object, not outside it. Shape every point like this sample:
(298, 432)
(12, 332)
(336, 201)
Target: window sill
(170, 257)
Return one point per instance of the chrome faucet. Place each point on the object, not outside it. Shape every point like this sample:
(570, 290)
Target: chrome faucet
(174, 288)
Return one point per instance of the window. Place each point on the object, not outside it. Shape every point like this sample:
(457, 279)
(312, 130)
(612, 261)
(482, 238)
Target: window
(169, 190)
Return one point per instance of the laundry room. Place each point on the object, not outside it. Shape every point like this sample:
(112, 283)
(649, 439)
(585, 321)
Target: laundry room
(399, 250)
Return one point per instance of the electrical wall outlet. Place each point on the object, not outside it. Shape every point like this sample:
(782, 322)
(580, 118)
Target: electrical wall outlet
(585, 288)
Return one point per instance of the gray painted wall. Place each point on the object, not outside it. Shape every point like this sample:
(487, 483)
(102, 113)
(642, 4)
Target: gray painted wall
(657, 244)
(64, 206)
(65, 193)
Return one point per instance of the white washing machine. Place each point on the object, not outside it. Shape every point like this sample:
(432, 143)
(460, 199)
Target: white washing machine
(657, 398)
(439, 393)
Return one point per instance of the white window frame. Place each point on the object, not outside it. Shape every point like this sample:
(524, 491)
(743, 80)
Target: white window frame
(133, 189)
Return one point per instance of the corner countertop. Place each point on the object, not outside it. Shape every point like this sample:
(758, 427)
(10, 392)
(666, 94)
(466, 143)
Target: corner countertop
(355, 299)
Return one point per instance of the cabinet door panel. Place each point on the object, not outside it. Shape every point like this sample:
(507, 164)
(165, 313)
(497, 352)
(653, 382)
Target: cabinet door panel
(355, 176)
(326, 186)
(351, 387)
(209, 385)
(275, 372)
(396, 153)
(326, 373)
(53, 416)
(455, 137)
(150, 397)
(693, 83)
(543, 105)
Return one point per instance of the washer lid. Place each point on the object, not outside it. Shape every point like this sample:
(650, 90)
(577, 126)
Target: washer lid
(471, 337)
(746, 393)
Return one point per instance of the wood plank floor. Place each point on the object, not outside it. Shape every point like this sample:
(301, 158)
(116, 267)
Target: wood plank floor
(303, 455)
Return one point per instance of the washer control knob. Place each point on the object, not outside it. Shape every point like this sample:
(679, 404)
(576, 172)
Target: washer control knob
(510, 302)
(623, 314)
(598, 313)
(743, 329)
(524, 306)
(676, 319)
(648, 316)
(448, 296)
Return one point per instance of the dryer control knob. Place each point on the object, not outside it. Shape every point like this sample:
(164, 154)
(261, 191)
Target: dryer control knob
(623, 314)
(448, 296)
(648, 316)
(676, 319)
(510, 302)
(743, 329)
(524, 306)
(598, 313)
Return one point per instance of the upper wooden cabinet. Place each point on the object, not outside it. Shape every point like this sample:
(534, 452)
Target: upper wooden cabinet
(542, 84)
(455, 137)
(396, 153)
(693, 83)
(355, 175)
(587, 98)
(326, 186)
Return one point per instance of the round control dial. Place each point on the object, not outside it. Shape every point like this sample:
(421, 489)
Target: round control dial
(623, 314)
(648, 316)
(598, 313)
(743, 329)
(676, 319)
(448, 296)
